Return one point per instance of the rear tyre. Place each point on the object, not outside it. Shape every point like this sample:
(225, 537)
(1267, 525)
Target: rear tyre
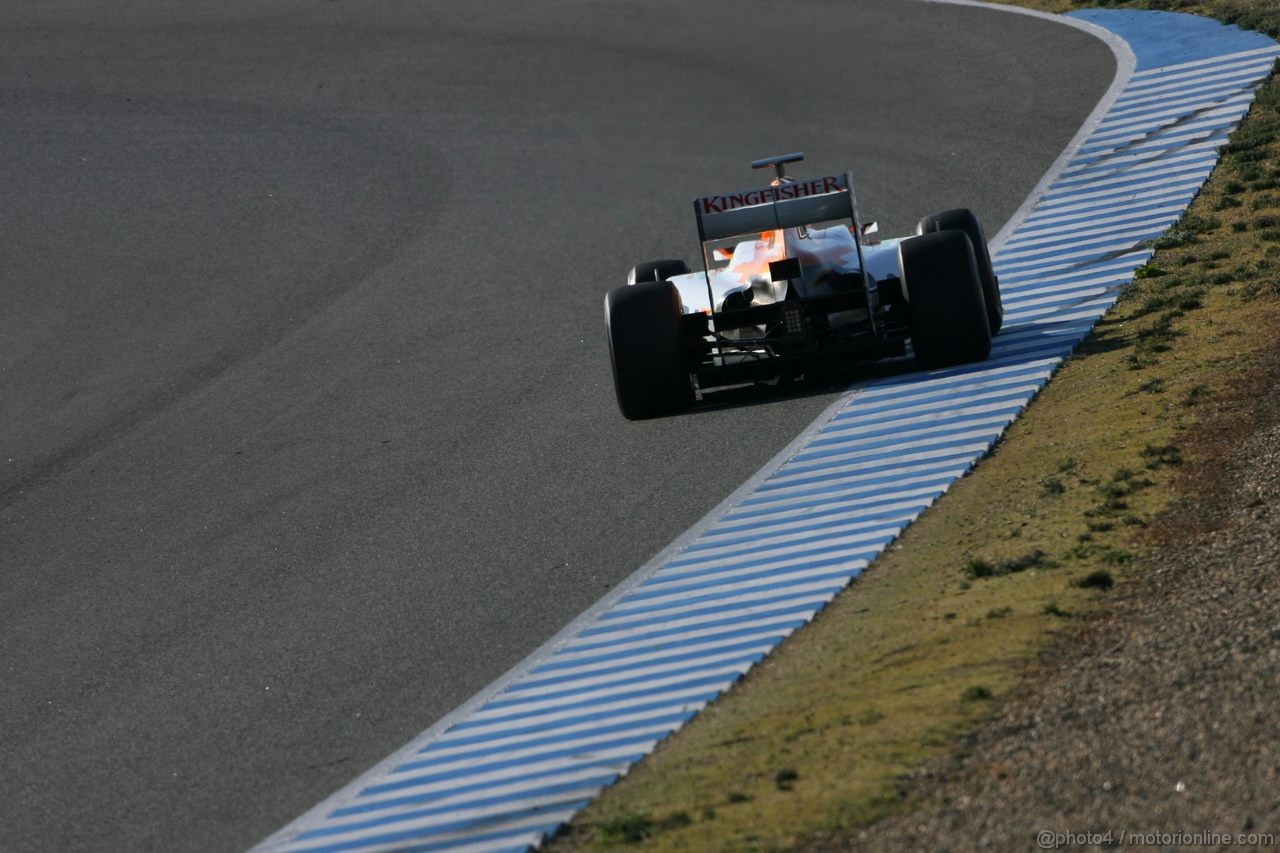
(948, 315)
(962, 219)
(646, 347)
(656, 271)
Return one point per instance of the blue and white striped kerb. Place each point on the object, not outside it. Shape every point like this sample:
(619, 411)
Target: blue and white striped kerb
(517, 766)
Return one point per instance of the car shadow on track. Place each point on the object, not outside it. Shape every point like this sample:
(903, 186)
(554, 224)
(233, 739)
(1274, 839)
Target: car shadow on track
(829, 385)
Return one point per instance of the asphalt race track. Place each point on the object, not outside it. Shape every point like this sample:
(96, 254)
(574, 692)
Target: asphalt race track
(307, 429)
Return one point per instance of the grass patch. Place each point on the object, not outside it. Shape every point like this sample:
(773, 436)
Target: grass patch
(979, 568)
(1097, 579)
(628, 829)
(1152, 386)
(1166, 454)
(1052, 486)
(871, 716)
(1195, 395)
(868, 693)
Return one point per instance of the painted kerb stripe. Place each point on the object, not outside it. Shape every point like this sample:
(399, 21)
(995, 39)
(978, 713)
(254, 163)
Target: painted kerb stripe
(510, 767)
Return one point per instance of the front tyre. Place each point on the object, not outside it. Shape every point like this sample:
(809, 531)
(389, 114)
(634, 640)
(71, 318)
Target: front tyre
(646, 347)
(948, 314)
(962, 219)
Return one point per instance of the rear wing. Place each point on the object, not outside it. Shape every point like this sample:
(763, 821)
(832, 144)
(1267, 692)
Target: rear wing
(785, 205)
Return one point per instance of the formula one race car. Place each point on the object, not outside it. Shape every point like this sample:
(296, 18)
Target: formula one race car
(793, 283)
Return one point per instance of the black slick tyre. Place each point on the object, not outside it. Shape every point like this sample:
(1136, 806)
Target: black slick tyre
(656, 271)
(962, 219)
(948, 314)
(646, 347)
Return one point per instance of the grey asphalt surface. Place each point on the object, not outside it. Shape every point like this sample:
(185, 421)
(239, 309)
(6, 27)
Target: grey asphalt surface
(307, 427)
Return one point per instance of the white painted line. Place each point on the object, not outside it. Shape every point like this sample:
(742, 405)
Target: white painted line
(1117, 236)
(1114, 168)
(447, 797)
(373, 844)
(1171, 71)
(1249, 68)
(533, 704)
(761, 545)
(1158, 119)
(671, 657)
(729, 599)
(563, 735)
(1043, 223)
(1075, 200)
(1200, 91)
(1225, 111)
(676, 699)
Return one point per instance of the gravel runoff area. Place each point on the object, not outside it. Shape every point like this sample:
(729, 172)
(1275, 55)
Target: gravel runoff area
(1160, 716)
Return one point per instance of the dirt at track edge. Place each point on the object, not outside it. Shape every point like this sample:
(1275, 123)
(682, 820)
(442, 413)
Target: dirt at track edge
(1159, 715)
